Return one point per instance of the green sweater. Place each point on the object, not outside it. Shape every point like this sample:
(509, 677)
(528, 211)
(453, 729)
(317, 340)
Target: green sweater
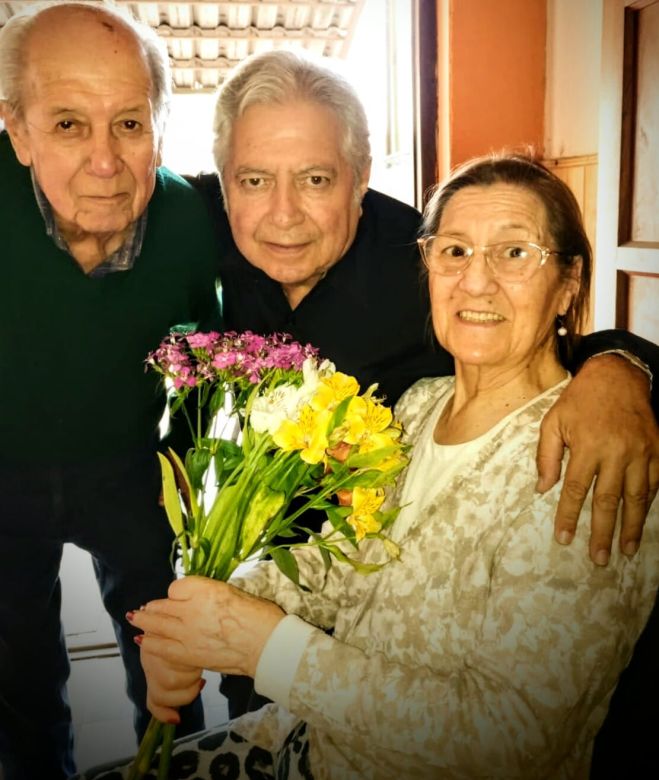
(72, 347)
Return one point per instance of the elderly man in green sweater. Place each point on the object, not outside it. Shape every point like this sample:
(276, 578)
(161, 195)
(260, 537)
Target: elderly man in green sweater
(102, 252)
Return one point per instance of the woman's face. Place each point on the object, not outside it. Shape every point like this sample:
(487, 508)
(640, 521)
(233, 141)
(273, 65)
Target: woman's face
(480, 319)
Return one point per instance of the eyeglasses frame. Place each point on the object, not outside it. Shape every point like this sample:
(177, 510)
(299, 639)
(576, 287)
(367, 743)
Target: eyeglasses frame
(484, 249)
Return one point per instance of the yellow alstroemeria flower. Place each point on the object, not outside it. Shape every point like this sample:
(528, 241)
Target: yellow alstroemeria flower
(388, 438)
(364, 418)
(365, 502)
(333, 389)
(308, 434)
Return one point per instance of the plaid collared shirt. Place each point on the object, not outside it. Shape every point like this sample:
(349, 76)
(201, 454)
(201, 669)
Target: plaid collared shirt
(121, 260)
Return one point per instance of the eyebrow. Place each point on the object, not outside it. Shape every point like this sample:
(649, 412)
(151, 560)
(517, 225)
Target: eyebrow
(500, 228)
(513, 226)
(319, 167)
(58, 110)
(252, 171)
(248, 169)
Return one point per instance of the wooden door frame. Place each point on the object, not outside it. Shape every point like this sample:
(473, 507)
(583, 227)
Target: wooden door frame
(424, 31)
(614, 250)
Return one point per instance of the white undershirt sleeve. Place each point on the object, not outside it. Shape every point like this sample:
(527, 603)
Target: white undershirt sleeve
(280, 658)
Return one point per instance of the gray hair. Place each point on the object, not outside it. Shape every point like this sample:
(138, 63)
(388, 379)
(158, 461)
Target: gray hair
(15, 32)
(279, 77)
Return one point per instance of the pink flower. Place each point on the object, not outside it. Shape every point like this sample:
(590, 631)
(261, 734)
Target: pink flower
(202, 340)
(224, 360)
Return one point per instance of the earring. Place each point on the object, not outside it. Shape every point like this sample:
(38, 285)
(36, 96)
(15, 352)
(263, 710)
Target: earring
(561, 330)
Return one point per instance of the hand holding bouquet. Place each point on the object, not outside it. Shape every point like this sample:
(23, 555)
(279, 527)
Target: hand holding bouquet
(306, 436)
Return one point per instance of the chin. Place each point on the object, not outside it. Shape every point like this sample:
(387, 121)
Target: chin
(285, 273)
(106, 225)
(475, 357)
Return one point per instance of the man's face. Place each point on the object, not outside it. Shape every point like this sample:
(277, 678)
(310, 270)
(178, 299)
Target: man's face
(291, 196)
(87, 128)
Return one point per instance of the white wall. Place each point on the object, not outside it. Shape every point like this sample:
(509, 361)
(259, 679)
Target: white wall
(574, 45)
(189, 134)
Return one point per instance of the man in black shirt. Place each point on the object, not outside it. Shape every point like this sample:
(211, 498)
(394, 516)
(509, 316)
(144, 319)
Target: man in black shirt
(368, 313)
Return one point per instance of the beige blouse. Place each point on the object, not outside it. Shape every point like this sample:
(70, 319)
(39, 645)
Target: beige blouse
(487, 650)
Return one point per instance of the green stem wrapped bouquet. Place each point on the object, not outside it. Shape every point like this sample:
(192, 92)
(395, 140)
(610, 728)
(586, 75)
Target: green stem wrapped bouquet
(303, 436)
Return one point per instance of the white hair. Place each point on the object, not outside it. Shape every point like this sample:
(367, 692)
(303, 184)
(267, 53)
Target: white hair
(281, 76)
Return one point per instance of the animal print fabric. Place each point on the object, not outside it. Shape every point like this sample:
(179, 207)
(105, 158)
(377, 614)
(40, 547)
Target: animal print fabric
(225, 755)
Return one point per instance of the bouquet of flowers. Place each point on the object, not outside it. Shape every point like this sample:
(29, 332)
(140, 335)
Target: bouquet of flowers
(306, 439)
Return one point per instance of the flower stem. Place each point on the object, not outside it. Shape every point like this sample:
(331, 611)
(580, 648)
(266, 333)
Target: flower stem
(166, 751)
(147, 750)
(189, 422)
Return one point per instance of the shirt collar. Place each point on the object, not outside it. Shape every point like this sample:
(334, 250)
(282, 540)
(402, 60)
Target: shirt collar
(123, 259)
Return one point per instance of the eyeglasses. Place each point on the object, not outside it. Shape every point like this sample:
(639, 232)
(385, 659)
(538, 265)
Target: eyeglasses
(512, 261)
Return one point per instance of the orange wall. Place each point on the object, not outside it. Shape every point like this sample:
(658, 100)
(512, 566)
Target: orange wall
(496, 75)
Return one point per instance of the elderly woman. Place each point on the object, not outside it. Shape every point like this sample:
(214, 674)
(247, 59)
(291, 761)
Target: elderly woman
(487, 650)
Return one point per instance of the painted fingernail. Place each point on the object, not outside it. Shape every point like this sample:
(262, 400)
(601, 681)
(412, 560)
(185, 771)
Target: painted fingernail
(601, 557)
(138, 639)
(631, 548)
(565, 537)
(129, 616)
(173, 721)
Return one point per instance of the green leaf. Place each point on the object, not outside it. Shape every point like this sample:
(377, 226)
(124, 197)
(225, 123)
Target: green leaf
(217, 400)
(387, 518)
(170, 496)
(286, 533)
(263, 506)
(367, 460)
(227, 457)
(370, 478)
(358, 566)
(327, 558)
(177, 402)
(197, 462)
(183, 482)
(286, 562)
(324, 554)
(337, 517)
(200, 556)
(339, 414)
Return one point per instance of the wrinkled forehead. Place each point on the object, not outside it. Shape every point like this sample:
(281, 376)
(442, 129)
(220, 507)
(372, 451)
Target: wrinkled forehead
(82, 43)
(507, 204)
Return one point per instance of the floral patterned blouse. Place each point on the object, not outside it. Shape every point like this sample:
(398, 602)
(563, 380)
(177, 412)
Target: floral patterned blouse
(487, 650)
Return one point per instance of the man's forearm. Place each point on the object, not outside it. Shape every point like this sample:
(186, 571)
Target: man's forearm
(606, 340)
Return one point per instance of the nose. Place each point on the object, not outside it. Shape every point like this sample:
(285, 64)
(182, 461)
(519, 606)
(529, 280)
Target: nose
(286, 208)
(104, 154)
(478, 277)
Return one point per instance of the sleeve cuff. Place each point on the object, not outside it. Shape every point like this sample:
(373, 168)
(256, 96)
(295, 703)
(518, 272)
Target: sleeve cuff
(631, 358)
(280, 659)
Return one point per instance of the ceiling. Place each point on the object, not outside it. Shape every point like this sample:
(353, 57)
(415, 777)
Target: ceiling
(205, 39)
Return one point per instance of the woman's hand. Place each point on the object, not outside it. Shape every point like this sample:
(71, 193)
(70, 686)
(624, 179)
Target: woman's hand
(605, 418)
(205, 624)
(169, 686)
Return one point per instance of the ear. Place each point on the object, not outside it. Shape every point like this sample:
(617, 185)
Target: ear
(19, 137)
(571, 286)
